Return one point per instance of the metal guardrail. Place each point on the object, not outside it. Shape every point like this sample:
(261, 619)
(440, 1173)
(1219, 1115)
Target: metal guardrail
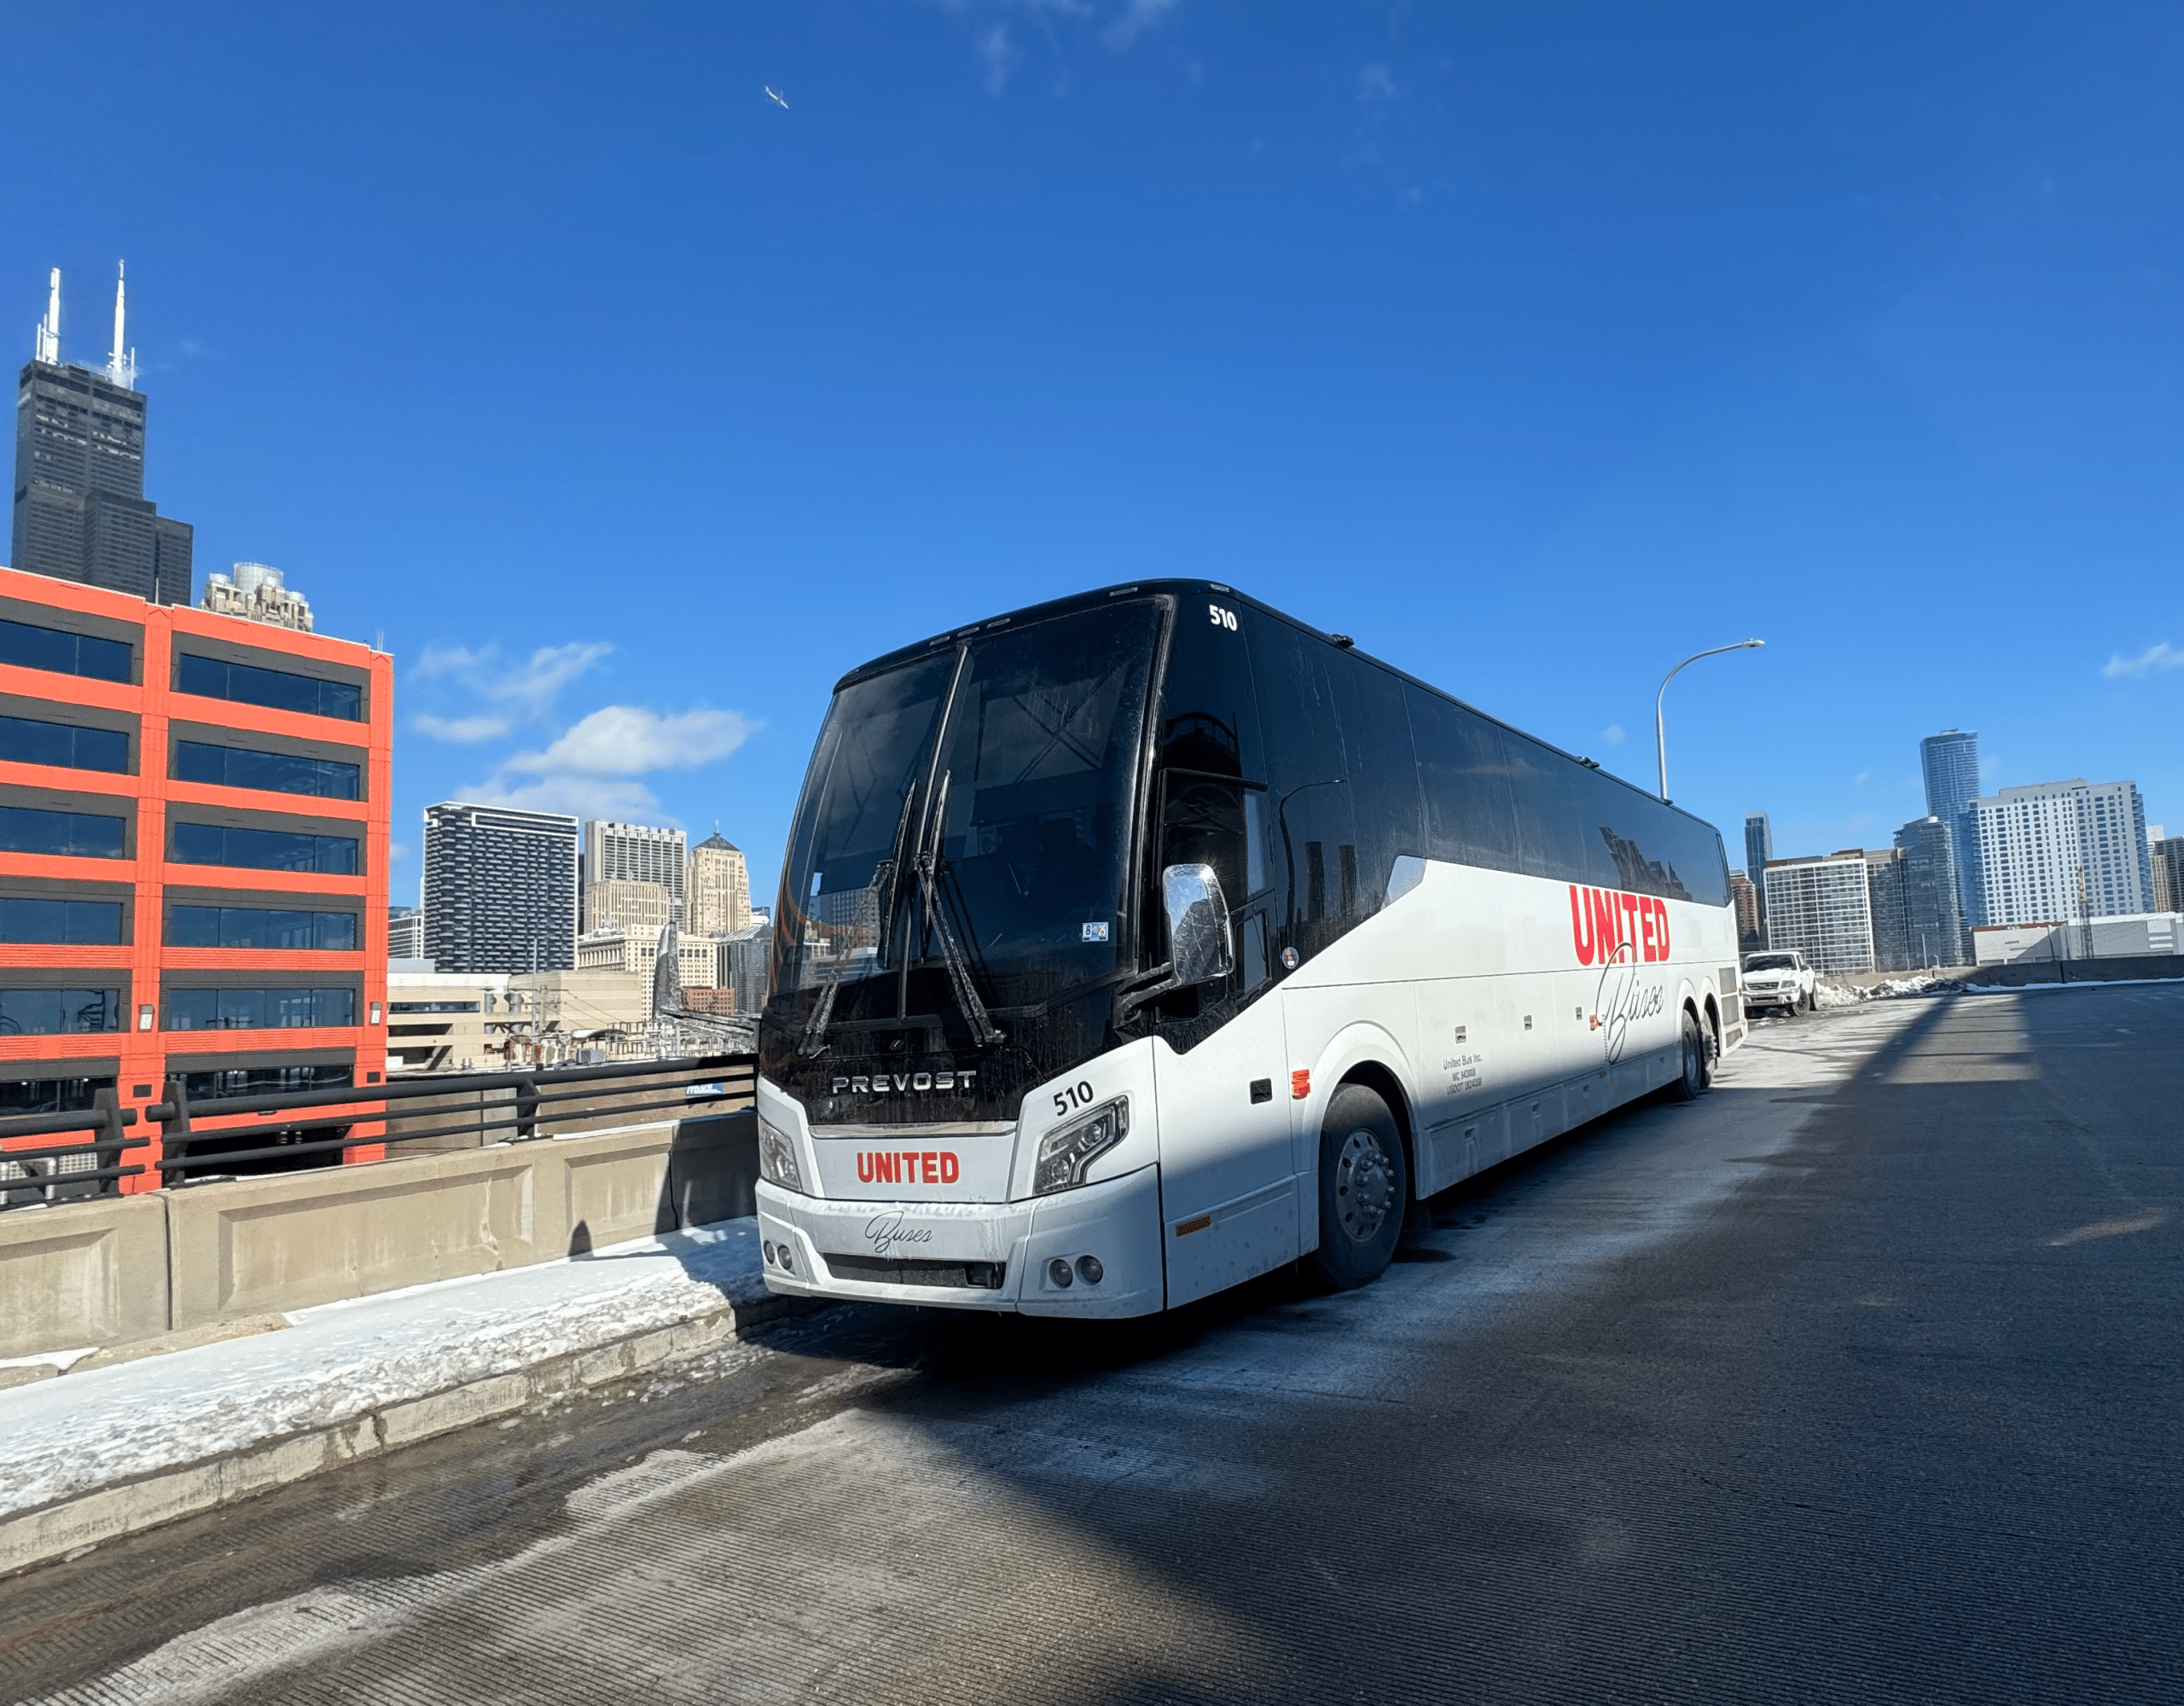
(514, 1107)
(35, 1175)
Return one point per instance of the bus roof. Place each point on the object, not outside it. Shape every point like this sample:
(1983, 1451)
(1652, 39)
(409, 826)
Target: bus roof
(1099, 595)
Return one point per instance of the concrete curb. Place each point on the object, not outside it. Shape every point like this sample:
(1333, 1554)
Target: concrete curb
(103, 1513)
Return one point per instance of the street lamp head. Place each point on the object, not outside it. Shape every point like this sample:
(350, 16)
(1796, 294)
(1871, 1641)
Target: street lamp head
(1660, 723)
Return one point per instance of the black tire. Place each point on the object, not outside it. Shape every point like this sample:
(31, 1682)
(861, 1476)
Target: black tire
(1364, 1189)
(1693, 1082)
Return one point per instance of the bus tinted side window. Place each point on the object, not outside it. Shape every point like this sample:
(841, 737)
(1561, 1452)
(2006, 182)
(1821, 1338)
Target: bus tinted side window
(1315, 837)
(1470, 815)
(1647, 848)
(1383, 781)
(1552, 835)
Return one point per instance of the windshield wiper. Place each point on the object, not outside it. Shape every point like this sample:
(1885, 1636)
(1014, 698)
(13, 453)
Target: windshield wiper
(883, 888)
(814, 1039)
(887, 876)
(983, 1031)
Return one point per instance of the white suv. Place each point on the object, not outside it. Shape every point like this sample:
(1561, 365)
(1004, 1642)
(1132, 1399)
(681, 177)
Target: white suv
(1778, 978)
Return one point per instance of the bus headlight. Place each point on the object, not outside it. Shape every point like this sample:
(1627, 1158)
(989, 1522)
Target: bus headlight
(1066, 1152)
(777, 1157)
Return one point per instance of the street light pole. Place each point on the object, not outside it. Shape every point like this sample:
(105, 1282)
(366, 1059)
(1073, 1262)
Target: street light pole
(1660, 726)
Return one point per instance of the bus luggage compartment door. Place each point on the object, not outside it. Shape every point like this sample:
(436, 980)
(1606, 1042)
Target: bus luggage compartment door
(1228, 1192)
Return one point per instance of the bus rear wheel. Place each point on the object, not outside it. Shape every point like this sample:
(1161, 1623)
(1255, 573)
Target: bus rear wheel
(1692, 1082)
(1364, 1189)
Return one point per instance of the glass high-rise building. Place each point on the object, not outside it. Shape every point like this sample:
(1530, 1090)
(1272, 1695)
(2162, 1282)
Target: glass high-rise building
(1933, 912)
(1950, 762)
(1888, 906)
(1758, 849)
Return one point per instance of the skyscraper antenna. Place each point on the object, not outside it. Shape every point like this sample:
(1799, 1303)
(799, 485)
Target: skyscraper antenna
(49, 329)
(121, 360)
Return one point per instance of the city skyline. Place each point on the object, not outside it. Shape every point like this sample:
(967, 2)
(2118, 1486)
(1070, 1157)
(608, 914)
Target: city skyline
(1927, 347)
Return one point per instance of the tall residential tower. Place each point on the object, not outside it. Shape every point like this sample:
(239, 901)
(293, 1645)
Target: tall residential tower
(1933, 912)
(1950, 761)
(1758, 849)
(2061, 850)
(500, 889)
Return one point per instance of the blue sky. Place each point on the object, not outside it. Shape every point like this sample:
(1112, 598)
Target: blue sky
(1534, 345)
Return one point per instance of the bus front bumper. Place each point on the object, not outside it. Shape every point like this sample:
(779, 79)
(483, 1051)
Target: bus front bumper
(974, 1255)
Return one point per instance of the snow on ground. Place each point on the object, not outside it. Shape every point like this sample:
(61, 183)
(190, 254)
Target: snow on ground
(1889, 989)
(341, 1361)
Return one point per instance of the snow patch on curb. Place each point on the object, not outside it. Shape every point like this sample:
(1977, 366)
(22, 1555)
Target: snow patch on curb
(341, 1362)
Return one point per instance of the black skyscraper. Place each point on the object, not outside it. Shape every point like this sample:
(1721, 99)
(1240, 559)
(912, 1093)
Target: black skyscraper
(79, 508)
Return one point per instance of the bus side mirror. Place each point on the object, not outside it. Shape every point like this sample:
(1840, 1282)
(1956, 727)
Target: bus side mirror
(1198, 947)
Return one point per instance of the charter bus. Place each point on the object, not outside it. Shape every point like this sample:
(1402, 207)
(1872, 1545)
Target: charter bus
(1135, 944)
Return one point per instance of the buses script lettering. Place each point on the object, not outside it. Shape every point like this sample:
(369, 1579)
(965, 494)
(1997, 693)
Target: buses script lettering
(1621, 1001)
(887, 1232)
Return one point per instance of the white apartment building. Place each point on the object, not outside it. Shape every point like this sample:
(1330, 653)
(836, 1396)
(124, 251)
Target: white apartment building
(2062, 850)
(633, 853)
(1821, 907)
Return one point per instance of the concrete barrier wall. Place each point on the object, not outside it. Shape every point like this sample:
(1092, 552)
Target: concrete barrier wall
(2120, 967)
(117, 1270)
(83, 1273)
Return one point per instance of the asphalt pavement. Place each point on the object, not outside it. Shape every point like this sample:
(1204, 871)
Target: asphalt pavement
(1858, 1379)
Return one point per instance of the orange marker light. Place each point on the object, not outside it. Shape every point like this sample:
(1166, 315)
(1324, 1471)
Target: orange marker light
(1300, 1084)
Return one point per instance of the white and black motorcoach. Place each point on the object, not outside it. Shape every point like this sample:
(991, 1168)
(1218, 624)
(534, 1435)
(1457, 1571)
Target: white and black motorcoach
(1132, 945)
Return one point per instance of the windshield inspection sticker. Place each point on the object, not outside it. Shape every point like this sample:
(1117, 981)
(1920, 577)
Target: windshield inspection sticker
(1095, 932)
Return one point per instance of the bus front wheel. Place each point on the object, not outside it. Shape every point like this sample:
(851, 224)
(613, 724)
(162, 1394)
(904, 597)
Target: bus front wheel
(1364, 1188)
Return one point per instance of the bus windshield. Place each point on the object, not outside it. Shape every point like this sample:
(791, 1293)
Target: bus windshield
(971, 806)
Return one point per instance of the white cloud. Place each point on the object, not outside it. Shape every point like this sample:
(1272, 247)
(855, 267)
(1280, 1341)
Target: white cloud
(2163, 656)
(1375, 82)
(447, 660)
(1137, 17)
(581, 796)
(528, 689)
(999, 56)
(1612, 734)
(463, 730)
(1862, 776)
(629, 740)
(395, 850)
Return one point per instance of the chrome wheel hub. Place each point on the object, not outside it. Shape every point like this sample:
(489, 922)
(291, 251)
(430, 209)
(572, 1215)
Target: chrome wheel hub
(1364, 1186)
